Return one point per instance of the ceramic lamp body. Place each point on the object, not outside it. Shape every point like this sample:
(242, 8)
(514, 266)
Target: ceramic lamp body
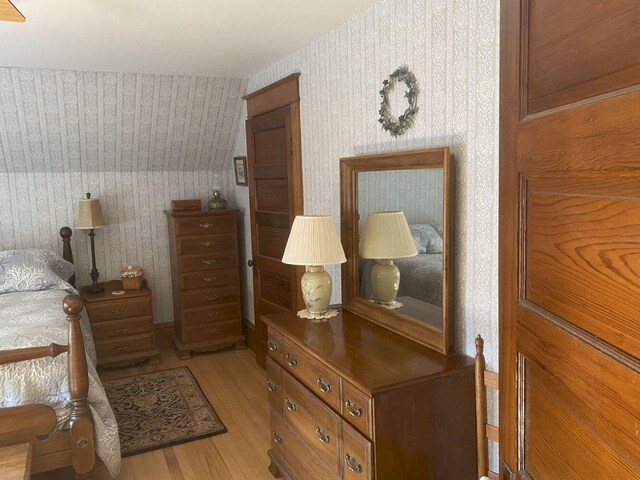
(316, 289)
(385, 281)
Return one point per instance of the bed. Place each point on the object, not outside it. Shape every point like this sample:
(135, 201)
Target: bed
(51, 394)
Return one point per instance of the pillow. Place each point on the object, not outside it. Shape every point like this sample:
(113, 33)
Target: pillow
(426, 238)
(33, 270)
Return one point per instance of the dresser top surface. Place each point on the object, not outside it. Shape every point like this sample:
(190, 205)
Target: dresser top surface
(373, 358)
(109, 288)
(200, 212)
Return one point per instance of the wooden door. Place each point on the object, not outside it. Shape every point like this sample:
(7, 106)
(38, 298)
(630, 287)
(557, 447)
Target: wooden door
(275, 191)
(570, 239)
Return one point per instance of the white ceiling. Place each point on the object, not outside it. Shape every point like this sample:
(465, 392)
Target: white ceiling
(194, 37)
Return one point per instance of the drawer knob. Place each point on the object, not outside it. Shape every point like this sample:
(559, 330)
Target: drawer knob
(271, 386)
(120, 330)
(213, 331)
(209, 261)
(291, 360)
(209, 279)
(211, 314)
(291, 405)
(122, 347)
(207, 244)
(354, 410)
(323, 385)
(206, 225)
(353, 465)
(211, 298)
(322, 435)
(276, 437)
(272, 346)
(119, 311)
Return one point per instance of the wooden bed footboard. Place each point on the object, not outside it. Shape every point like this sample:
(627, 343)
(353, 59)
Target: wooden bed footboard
(35, 423)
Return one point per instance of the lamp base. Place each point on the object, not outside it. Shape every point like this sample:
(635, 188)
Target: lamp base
(95, 288)
(316, 289)
(385, 280)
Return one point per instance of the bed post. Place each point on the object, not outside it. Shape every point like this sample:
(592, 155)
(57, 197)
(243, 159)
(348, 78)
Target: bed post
(67, 254)
(81, 420)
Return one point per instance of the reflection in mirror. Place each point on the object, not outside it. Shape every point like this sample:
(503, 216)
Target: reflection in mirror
(418, 194)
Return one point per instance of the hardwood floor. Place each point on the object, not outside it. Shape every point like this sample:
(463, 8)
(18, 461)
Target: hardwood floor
(235, 386)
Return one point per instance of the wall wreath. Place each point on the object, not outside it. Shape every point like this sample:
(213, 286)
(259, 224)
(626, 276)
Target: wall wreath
(399, 126)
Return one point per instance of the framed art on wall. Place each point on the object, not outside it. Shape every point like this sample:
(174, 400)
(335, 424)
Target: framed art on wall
(240, 167)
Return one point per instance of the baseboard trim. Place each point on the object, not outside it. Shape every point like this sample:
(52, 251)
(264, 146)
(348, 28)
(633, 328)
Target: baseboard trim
(164, 334)
(249, 332)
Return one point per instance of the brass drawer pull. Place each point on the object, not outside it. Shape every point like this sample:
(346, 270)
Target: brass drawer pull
(209, 279)
(276, 437)
(271, 386)
(211, 298)
(272, 346)
(119, 311)
(209, 261)
(291, 360)
(353, 465)
(206, 225)
(354, 410)
(211, 314)
(323, 385)
(120, 330)
(322, 435)
(122, 347)
(208, 244)
(213, 331)
(291, 405)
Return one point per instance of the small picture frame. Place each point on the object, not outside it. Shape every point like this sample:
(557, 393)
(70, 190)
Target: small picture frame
(240, 167)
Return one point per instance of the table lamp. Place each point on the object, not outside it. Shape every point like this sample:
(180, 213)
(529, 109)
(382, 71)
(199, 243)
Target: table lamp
(314, 242)
(386, 236)
(90, 218)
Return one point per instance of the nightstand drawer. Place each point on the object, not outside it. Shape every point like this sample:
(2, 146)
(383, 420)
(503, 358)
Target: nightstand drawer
(206, 244)
(117, 310)
(122, 328)
(124, 346)
(215, 278)
(205, 225)
(208, 315)
(204, 333)
(210, 296)
(205, 261)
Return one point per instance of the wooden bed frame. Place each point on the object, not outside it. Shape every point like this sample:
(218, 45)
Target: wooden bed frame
(35, 424)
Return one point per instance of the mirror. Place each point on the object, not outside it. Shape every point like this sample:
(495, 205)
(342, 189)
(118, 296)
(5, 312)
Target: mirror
(407, 290)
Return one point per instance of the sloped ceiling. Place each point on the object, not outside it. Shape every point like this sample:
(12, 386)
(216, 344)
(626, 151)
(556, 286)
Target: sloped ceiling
(221, 38)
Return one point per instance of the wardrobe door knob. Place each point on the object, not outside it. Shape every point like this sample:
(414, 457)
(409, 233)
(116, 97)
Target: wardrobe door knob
(251, 263)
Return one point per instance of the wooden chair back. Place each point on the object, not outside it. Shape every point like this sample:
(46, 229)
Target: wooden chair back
(485, 431)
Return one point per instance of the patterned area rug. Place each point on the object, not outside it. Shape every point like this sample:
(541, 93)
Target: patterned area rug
(160, 409)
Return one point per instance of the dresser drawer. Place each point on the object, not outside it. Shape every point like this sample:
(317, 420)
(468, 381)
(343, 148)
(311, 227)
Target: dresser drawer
(124, 346)
(322, 381)
(314, 421)
(208, 315)
(206, 244)
(304, 464)
(212, 332)
(274, 345)
(356, 408)
(274, 385)
(205, 261)
(215, 278)
(356, 455)
(210, 296)
(122, 328)
(117, 310)
(205, 225)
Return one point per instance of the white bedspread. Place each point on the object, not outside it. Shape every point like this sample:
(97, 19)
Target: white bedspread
(34, 319)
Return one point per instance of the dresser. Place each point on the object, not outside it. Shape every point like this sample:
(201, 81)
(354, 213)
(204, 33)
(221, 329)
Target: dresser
(122, 325)
(352, 400)
(205, 279)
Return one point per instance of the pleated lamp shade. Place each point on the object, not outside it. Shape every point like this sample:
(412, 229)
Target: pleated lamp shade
(313, 240)
(90, 215)
(386, 235)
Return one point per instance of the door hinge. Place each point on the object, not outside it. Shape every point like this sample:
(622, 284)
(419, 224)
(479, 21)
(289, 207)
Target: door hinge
(291, 146)
(506, 471)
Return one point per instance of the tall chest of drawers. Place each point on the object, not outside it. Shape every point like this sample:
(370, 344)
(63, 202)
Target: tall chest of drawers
(351, 400)
(205, 280)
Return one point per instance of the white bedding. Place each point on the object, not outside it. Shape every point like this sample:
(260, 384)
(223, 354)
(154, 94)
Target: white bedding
(35, 318)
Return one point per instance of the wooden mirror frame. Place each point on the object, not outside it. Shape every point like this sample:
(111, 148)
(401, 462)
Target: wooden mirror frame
(391, 319)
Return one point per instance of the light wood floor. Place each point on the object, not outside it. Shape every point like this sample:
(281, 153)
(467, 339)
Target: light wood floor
(235, 386)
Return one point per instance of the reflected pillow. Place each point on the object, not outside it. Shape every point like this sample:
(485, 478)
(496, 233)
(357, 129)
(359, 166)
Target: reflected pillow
(426, 238)
(33, 270)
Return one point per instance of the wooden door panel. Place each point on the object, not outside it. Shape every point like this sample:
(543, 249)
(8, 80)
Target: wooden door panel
(272, 195)
(580, 49)
(273, 147)
(582, 258)
(272, 241)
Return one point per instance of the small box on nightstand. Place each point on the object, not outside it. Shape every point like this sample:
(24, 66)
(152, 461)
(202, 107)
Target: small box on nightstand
(122, 325)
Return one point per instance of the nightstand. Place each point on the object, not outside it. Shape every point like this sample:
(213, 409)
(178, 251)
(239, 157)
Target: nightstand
(122, 325)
